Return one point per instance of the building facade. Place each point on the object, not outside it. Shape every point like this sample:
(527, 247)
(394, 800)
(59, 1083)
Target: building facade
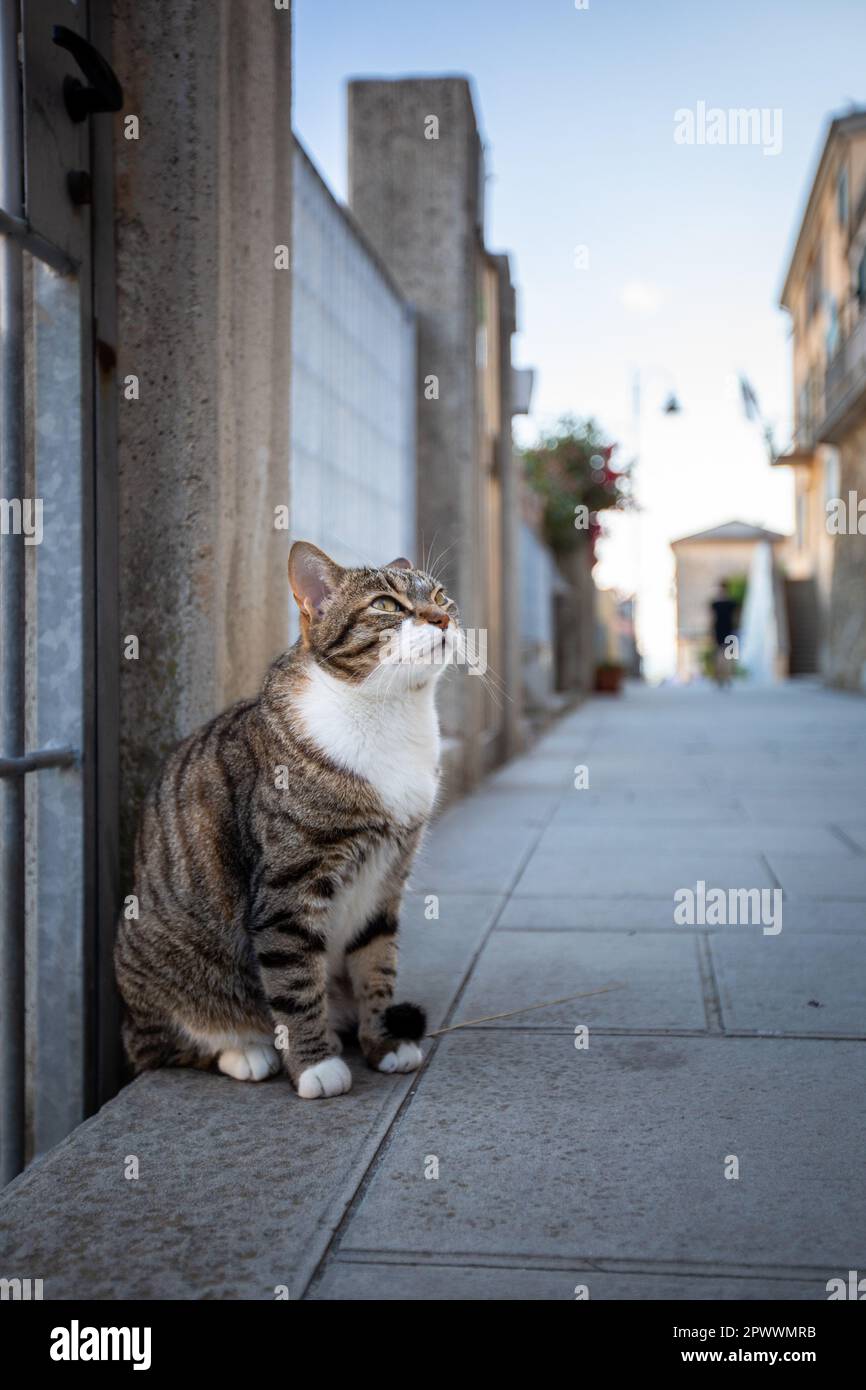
(825, 294)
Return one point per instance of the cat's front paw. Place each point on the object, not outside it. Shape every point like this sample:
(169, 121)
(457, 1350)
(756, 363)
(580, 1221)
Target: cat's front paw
(329, 1078)
(406, 1056)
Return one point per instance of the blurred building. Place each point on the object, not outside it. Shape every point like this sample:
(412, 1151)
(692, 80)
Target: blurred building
(825, 293)
(729, 552)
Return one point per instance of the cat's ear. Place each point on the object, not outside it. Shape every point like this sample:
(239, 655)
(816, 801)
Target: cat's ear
(312, 575)
(401, 564)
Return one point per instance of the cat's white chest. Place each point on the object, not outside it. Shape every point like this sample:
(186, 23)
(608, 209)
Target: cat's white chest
(394, 745)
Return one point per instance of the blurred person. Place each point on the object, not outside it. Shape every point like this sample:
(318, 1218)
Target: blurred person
(724, 620)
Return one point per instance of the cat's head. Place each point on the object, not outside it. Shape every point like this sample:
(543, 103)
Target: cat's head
(393, 628)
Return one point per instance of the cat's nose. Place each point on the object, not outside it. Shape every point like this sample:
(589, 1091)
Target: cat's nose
(432, 613)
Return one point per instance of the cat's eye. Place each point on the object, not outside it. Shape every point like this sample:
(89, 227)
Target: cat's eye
(441, 598)
(385, 604)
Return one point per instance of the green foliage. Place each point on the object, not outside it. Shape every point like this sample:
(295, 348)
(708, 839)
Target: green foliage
(737, 585)
(569, 468)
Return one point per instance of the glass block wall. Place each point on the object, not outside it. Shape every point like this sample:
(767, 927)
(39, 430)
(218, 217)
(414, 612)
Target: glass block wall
(353, 389)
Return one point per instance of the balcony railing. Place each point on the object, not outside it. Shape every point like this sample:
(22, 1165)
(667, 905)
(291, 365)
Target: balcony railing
(845, 384)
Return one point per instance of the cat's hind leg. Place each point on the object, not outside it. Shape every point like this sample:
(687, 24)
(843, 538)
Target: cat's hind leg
(242, 1055)
(249, 1062)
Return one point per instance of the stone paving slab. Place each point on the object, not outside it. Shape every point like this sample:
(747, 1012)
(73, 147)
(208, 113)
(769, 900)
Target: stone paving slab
(803, 807)
(585, 913)
(706, 838)
(657, 977)
(490, 808)
(856, 831)
(618, 1152)
(471, 857)
(807, 983)
(557, 1166)
(238, 1185)
(818, 876)
(657, 874)
(656, 914)
(614, 810)
(350, 1280)
(436, 953)
(554, 774)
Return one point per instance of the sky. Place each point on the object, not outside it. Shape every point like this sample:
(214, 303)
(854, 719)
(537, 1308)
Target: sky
(686, 244)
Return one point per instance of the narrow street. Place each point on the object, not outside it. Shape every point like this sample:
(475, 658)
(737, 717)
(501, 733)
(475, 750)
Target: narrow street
(697, 1139)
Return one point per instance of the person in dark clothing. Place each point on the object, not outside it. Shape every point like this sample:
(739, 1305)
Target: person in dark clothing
(724, 618)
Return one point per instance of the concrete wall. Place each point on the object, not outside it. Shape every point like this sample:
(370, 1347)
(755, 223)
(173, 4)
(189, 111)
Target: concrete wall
(202, 199)
(509, 468)
(539, 579)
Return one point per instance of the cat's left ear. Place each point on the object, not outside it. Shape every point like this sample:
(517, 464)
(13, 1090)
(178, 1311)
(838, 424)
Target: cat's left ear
(401, 564)
(312, 575)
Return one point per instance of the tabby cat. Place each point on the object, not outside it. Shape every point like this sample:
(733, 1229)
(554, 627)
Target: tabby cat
(274, 848)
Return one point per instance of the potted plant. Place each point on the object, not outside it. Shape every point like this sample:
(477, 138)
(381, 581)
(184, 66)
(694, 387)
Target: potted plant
(608, 678)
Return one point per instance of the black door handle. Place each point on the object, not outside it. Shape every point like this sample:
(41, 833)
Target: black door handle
(104, 93)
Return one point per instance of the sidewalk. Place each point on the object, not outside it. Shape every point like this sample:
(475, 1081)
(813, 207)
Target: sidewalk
(557, 1166)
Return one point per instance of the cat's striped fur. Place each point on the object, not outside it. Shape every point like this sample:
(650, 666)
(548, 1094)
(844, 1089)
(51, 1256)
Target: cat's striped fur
(274, 848)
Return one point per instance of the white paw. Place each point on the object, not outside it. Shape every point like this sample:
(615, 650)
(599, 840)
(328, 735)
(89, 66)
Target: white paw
(406, 1058)
(252, 1062)
(329, 1078)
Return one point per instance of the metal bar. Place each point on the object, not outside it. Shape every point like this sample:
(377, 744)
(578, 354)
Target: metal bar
(39, 246)
(12, 484)
(34, 762)
(104, 639)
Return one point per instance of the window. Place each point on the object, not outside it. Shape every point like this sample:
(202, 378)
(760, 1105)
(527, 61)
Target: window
(831, 474)
(804, 422)
(813, 287)
(842, 198)
(831, 337)
(802, 505)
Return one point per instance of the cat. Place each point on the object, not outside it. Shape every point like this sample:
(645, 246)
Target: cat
(274, 848)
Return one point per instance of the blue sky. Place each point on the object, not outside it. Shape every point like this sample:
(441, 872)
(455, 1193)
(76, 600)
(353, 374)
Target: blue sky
(687, 245)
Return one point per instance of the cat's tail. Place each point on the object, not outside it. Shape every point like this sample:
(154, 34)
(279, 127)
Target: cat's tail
(405, 1021)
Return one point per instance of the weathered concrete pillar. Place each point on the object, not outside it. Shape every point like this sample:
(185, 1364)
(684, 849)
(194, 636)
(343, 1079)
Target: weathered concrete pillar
(576, 619)
(415, 171)
(203, 198)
